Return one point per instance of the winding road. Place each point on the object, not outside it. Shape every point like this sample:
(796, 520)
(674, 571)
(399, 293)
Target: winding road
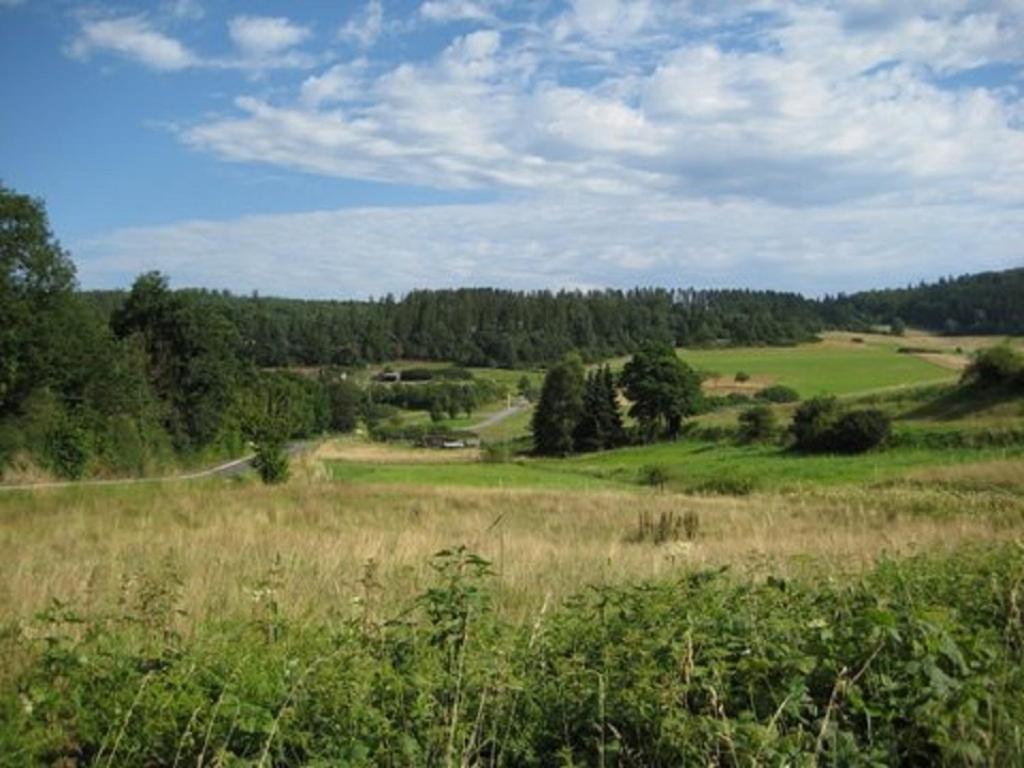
(226, 469)
(499, 416)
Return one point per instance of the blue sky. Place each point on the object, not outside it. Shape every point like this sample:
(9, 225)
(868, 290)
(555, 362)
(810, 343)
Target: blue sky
(343, 149)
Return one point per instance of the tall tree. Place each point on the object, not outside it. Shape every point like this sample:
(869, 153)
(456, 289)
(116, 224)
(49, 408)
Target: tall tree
(36, 283)
(559, 408)
(192, 356)
(664, 390)
(600, 424)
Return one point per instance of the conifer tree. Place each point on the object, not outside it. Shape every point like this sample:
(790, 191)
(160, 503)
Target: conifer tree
(559, 408)
(600, 424)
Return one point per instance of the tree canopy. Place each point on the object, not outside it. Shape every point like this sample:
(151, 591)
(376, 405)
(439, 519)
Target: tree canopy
(663, 389)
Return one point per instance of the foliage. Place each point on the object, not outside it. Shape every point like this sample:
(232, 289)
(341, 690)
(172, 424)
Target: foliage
(984, 303)
(757, 423)
(813, 422)
(600, 423)
(36, 283)
(860, 430)
(918, 662)
(653, 475)
(526, 389)
(69, 449)
(271, 460)
(559, 408)
(663, 390)
(778, 393)
(821, 425)
(192, 357)
(344, 399)
(998, 366)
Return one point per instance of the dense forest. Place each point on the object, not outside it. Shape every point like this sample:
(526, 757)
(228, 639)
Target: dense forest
(491, 327)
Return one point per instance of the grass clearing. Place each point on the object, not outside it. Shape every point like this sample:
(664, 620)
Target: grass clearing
(87, 545)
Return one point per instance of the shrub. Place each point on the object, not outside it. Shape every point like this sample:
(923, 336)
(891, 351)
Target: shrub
(742, 376)
(417, 374)
(820, 425)
(68, 450)
(1001, 365)
(778, 393)
(271, 461)
(812, 424)
(455, 373)
(860, 431)
(757, 423)
(654, 475)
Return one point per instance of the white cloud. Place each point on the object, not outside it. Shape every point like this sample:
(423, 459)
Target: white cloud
(262, 42)
(559, 242)
(134, 38)
(185, 9)
(364, 28)
(809, 114)
(262, 35)
(456, 10)
(342, 82)
(774, 137)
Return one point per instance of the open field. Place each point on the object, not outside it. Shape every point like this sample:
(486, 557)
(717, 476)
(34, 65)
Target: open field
(316, 621)
(222, 538)
(832, 367)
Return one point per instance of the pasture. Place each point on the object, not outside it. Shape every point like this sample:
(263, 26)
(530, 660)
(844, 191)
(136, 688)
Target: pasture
(835, 366)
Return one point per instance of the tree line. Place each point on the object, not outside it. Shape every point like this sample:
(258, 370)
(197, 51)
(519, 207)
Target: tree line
(161, 378)
(501, 328)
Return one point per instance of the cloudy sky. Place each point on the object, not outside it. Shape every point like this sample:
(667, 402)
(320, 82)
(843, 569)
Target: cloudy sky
(353, 147)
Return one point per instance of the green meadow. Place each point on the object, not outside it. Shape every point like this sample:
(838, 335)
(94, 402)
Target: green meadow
(822, 368)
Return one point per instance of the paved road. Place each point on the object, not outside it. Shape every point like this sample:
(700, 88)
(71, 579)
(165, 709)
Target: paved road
(227, 469)
(498, 417)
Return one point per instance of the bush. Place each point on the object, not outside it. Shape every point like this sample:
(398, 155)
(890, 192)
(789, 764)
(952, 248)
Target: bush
(654, 475)
(778, 393)
(271, 461)
(757, 423)
(860, 431)
(812, 423)
(1001, 365)
(68, 450)
(742, 376)
(820, 425)
(417, 374)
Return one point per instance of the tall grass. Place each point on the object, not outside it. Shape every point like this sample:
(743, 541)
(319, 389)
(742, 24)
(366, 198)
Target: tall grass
(919, 662)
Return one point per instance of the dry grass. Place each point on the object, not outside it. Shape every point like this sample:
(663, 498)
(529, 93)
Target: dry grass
(91, 546)
(1000, 473)
(724, 385)
(366, 452)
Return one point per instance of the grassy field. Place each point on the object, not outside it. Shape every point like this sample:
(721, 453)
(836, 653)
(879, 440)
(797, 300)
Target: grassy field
(837, 367)
(400, 606)
(689, 465)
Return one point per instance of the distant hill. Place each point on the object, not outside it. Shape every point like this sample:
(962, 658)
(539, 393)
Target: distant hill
(984, 303)
(494, 327)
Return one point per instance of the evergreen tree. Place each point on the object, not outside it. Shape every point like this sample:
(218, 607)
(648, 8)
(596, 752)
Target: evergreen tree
(600, 425)
(663, 388)
(559, 408)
